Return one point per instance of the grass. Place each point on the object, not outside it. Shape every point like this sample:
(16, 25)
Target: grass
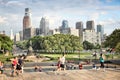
(72, 56)
(112, 56)
(75, 56)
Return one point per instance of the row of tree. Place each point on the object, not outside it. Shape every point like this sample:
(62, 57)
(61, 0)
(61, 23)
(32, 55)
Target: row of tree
(55, 42)
(69, 42)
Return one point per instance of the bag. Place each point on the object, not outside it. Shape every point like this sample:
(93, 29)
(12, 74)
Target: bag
(102, 60)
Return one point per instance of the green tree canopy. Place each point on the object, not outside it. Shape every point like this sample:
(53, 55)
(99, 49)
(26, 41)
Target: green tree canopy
(117, 48)
(5, 43)
(22, 44)
(87, 45)
(113, 39)
(56, 42)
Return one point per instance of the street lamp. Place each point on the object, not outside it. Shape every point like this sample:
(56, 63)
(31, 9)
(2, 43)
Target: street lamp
(79, 55)
(0, 45)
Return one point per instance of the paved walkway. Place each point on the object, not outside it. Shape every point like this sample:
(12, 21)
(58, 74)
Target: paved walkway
(66, 75)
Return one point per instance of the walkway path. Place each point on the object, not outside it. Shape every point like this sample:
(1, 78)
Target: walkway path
(66, 75)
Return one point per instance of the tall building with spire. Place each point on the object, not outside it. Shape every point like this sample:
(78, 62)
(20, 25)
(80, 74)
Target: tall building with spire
(28, 31)
(44, 26)
(27, 19)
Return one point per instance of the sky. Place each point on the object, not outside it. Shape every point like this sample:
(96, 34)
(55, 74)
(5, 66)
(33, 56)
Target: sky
(104, 12)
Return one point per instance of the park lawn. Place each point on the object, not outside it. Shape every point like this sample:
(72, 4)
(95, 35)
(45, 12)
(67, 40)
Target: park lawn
(73, 56)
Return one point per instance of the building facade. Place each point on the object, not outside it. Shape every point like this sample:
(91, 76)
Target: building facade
(44, 26)
(92, 37)
(27, 25)
(64, 24)
(90, 25)
(55, 31)
(27, 19)
(79, 26)
(17, 37)
(101, 30)
(11, 35)
(29, 32)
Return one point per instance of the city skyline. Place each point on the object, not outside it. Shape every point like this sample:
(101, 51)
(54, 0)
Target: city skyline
(104, 12)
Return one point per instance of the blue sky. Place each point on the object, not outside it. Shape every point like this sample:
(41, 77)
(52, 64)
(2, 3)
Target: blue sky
(105, 12)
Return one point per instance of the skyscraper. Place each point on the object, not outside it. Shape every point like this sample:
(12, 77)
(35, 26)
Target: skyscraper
(27, 19)
(101, 30)
(90, 25)
(11, 35)
(27, 25)
(44, 26)
(64, 24)
(79, 26)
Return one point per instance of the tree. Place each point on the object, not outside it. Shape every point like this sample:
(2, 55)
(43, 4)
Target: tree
(97, 46)
(59, 42)
(113, 39)
(87, 45)
(5, 43)
(117, 48)
(22, 44)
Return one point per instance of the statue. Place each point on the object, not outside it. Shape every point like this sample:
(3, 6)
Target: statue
(30, 49)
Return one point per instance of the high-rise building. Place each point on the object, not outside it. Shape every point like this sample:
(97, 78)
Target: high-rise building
(21, 35)
(101, 30)
(11, 35)
(37, 31)
(17, 37)
(27, 25)
(79, 26)
(64, 24)
(90, 25)
(44, 26)
(29, 32)
(27, 19)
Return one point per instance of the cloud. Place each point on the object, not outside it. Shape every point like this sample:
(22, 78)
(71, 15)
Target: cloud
(14, 3)
(3, 19)
(110, 22)
(108, 1)
(57, 10)
(109, 8)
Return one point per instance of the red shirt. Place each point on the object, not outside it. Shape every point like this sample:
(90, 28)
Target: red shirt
(14, 62)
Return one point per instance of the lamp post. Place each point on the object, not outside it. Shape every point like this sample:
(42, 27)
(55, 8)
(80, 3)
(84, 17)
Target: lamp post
(79, 55)
(0, 45)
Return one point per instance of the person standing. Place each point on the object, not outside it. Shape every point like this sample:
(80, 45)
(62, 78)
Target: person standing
(102, 62)
(62, 60)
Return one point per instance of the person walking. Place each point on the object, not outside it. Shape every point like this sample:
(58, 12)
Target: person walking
(1, 67)
(14, 65)
(21, 63)
(58, 64)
